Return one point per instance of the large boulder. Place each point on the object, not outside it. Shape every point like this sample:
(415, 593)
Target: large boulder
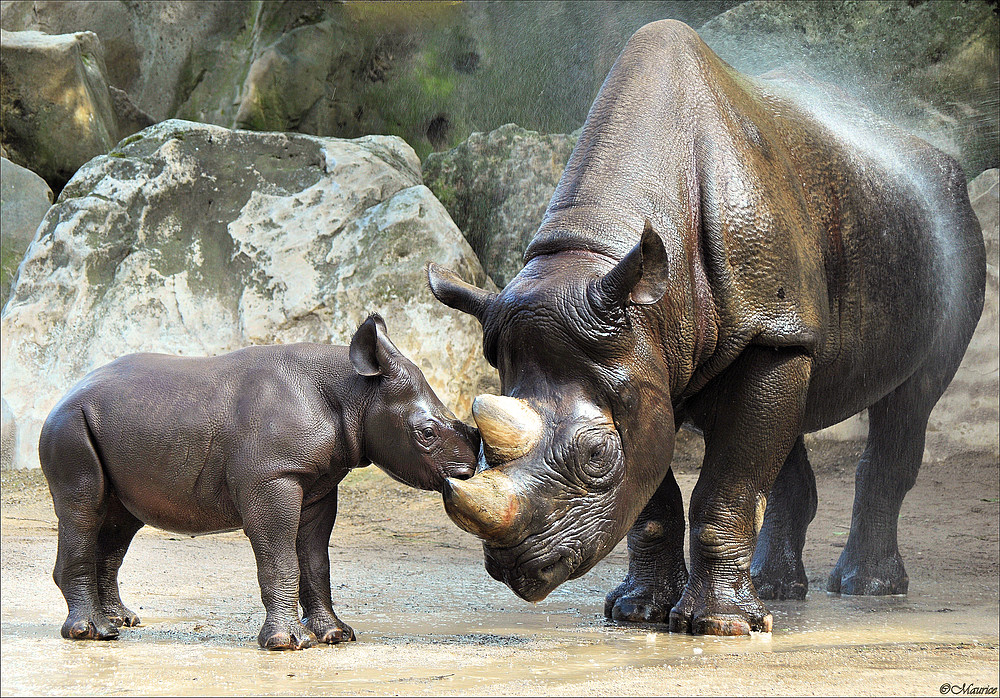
(146, 44)
(195, 239)
(24, 199)
(930, 67)
(58, 110)
(8, 436)
(496, 187)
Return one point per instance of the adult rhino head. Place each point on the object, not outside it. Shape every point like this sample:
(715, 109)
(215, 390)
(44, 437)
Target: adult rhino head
(583, 432)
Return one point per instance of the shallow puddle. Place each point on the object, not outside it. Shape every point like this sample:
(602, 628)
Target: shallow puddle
(551, 644)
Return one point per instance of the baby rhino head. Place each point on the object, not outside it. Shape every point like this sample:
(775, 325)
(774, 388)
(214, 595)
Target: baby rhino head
(407, 430)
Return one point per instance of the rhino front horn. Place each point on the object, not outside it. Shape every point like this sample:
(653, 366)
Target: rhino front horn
(509, 427)
(487, 506)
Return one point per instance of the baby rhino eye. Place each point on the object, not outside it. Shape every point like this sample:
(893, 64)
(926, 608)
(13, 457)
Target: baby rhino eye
(427, 433)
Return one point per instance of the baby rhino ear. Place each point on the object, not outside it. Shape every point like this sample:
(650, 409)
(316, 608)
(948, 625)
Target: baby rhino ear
(364, 347)
(371, 350)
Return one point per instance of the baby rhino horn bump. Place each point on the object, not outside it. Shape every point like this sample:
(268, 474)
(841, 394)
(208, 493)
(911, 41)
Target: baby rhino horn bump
(486, 506)
(509, 427)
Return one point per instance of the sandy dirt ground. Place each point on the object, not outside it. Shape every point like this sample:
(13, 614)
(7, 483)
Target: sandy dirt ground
(431, 622)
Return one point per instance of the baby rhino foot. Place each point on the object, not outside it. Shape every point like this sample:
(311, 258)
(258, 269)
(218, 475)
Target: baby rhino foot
(93, 627)
(330, 630)
(121, 616)
(285, 636)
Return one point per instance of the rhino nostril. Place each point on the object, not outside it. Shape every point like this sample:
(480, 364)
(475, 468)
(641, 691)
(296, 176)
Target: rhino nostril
(556, 572)
(462, 472)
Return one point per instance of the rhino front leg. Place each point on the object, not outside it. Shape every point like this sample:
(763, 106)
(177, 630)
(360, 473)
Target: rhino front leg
(313, 547)
(776, 568)
(656, 570)
(751, 417)
(271, 510)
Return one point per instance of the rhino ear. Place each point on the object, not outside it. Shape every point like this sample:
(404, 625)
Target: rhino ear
(641, 276)
(371, 350)
(451, 290)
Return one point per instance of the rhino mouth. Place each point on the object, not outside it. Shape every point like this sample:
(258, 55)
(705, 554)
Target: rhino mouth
(535, 579)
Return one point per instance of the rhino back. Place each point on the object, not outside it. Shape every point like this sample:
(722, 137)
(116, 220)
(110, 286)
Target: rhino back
(789, 223)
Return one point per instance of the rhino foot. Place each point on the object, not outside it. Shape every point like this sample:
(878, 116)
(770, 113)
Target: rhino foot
(780, 585)
(884, 578)
(635, 602)
(716, 611)
(285, 636)
(93, 627)
(781, 590)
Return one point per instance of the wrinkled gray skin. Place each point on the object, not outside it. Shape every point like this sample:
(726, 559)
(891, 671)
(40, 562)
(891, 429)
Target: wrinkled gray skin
(257, 439)
(716, 255)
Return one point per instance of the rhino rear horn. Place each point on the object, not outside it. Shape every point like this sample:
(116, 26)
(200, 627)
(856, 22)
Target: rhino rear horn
(451, 290)
(641, 276)
(508, 426)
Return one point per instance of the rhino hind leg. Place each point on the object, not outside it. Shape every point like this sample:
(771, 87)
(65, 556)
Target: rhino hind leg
(79, 494)
(656, 570)
(776, 568)
(116, 533)
(870, 563)
(313, 548)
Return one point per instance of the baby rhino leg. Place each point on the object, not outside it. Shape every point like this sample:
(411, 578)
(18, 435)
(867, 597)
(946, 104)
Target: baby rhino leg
(79, 495)
(313, 549)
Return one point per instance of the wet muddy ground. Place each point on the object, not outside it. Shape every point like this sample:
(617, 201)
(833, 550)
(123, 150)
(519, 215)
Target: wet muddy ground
(430, 621)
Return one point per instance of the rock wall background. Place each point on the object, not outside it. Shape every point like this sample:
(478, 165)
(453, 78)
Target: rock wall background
(434, 72)
(192, 237)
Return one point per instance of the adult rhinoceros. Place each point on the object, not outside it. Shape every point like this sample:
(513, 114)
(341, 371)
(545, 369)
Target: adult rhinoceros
(719, 255)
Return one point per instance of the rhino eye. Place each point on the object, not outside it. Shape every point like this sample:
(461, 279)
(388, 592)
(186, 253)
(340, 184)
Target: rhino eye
(427, 433)
(597, 457)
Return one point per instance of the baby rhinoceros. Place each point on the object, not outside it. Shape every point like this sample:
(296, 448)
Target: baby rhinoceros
(259, 439)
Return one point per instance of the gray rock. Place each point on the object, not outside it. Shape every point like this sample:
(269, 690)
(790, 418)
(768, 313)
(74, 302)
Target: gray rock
(8, 436)
(57, 110)
(431, 73)
(496, 187)
(930, 67)
(984, 193)
(24, 200)
(146, 44)
(57, 106)
(194, 239)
